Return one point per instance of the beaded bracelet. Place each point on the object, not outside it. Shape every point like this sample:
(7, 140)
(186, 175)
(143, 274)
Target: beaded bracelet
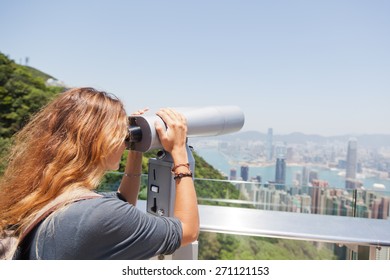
(182, 164)
(132, 175)
(181, 175)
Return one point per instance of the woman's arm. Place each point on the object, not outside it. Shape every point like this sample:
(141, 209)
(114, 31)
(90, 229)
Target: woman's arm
(173, 140)
(186, 206)
(131, 180)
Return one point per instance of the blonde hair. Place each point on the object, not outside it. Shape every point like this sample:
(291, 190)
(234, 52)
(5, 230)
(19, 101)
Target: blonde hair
(64, 147)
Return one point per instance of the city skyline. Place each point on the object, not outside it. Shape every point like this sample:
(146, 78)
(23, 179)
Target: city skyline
(313, 67)
(346, 163)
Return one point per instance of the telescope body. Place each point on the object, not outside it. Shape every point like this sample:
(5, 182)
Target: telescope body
(201, 121)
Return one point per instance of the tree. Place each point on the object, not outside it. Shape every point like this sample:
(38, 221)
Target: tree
(22, 93)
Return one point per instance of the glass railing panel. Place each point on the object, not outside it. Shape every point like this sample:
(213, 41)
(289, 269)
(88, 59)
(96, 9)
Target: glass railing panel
(112, 180)
(300, 199)
(305, 200)
(218, 246)
(361, 203)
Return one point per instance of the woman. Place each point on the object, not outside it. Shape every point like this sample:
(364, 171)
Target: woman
(63, 152)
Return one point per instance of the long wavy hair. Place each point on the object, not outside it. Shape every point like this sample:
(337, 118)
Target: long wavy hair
(64, 147)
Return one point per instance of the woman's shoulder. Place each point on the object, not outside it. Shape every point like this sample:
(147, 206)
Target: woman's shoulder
(96, 215)
(107, 205)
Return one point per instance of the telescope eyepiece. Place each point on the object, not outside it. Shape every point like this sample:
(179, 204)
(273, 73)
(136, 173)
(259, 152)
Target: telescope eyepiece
(134, 135)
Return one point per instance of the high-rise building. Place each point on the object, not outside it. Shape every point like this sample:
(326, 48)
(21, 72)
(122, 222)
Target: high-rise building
(317, 195)
(245, 172)
(380, 208)
(233, 174)
(269, 145)
(313, 176)
(280, 171)
(305, 176)
(351, 165)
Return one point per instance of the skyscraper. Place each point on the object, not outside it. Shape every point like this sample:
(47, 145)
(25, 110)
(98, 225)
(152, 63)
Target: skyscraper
(269, 145)
(280, 171)
(233, 174)
(313, 176)
(245, 172)
(351, 164)
(305, 176)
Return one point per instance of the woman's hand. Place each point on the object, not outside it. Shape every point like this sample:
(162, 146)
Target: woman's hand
(140, 112)
(174, 137)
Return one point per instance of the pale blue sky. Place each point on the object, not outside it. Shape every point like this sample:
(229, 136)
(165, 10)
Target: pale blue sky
(318, 67)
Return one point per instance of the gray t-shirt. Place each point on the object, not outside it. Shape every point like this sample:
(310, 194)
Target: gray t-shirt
(103, 228)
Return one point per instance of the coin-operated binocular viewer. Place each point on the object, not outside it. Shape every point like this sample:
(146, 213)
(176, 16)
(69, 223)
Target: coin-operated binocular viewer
(201, 122)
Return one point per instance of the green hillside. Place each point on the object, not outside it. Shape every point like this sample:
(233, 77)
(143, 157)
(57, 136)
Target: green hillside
(37, 73)
(23, 92)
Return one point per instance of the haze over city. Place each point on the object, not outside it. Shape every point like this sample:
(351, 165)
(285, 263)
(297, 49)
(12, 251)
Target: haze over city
(318, 67)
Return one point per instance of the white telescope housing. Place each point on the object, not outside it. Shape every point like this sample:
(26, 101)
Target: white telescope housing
(201, 121)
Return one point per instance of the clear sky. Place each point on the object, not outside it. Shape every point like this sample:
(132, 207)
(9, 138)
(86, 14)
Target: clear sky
(317, 67)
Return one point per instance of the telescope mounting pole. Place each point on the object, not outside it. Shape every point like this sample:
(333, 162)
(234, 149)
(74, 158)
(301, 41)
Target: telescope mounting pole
(161, 194)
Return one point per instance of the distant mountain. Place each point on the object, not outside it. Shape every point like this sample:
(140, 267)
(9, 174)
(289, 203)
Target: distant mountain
(366, 140)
